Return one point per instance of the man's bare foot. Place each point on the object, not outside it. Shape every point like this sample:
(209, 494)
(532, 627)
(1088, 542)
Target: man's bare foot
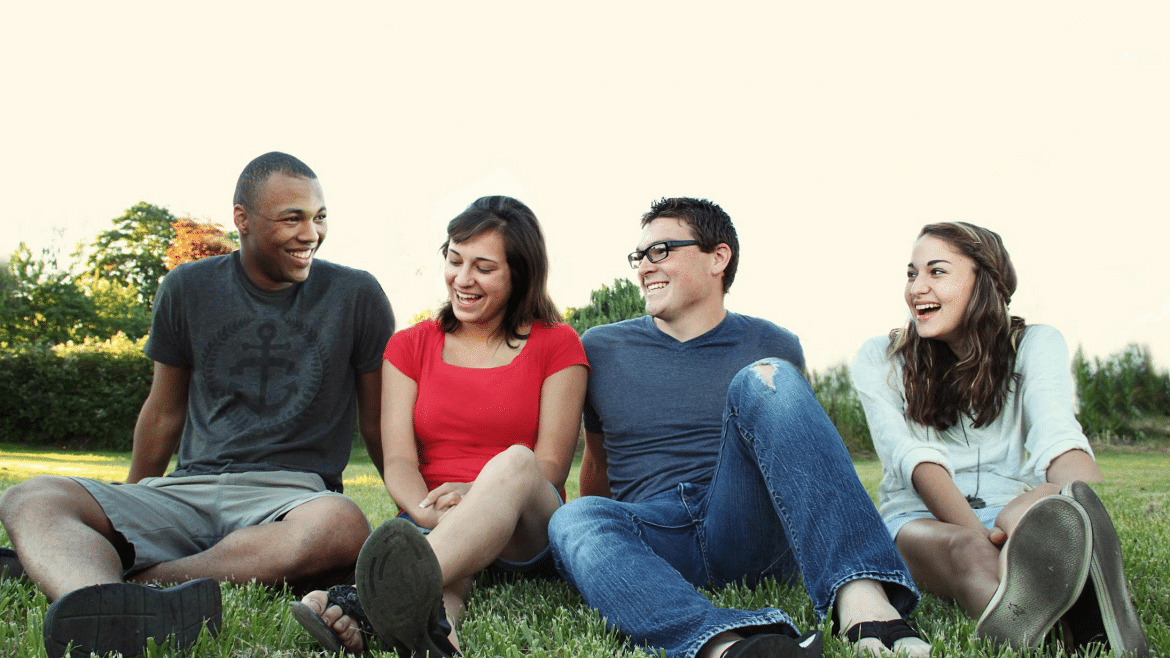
(865, 600)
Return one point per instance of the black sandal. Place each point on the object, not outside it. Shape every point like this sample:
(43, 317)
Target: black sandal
(888, 632)
(346, 598)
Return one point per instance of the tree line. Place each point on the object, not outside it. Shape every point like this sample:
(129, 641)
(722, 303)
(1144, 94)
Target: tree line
(72, 370)
(108, 286)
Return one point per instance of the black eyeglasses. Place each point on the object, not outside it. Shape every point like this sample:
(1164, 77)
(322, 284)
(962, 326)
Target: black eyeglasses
(657, 252)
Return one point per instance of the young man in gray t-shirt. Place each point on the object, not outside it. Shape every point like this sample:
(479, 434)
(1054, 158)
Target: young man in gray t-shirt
(263, 359)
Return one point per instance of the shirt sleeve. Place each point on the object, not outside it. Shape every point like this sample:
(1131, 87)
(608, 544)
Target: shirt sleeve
(404, 350)
(878, 386)
(590, 418)
(563, 349)
(168, 341)
(374, 324)
(1049, 422)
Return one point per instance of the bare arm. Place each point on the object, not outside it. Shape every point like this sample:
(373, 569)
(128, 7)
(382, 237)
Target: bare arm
(160, 423)
(937, 489)
(595, 466)
(1073, 465)
(369, 398)
(403, 479)
(562, 397)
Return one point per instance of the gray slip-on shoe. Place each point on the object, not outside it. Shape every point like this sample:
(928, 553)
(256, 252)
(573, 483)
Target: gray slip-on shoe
(120, 617)
(1105, 606)
(1045, 565)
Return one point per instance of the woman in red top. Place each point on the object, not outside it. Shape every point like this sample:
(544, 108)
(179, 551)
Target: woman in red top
(481, 409)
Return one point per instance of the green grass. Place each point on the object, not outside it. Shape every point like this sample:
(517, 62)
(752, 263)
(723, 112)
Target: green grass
(549, 619)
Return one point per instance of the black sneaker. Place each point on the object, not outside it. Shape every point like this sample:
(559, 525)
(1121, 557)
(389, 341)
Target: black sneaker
(10, 566)
(777, 646)
(400, 586)
(119, 617)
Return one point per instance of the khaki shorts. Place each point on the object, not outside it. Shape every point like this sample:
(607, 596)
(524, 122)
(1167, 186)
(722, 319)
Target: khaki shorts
(168, 518)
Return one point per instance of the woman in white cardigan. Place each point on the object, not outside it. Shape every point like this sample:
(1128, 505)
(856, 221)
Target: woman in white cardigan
(983, 462)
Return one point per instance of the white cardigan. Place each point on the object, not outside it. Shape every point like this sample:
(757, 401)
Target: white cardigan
(1002, 459)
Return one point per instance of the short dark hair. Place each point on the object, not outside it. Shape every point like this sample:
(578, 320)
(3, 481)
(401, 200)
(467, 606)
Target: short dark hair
(526, 255)
(709, 223)
(260, 169)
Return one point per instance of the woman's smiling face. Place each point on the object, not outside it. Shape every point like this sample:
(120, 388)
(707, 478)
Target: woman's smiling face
(939, 283)
(479, 281)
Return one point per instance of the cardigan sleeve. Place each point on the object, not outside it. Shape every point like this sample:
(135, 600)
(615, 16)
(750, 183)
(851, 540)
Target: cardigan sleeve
(899, 447)
(1049, 422)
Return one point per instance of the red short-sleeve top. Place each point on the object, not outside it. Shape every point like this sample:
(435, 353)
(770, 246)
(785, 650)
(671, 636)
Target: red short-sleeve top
(465, 416)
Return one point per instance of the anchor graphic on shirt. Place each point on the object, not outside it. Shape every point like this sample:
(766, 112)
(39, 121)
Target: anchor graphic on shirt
(268, 364)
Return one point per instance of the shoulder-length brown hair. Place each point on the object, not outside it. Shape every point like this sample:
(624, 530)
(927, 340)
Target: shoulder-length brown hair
(527, 261)
(941, 386)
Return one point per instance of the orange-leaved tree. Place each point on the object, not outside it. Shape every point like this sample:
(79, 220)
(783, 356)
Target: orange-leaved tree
(195, 240)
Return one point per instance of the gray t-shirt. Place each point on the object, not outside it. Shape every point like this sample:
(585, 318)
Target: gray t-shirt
(659, 402)
(273, 373)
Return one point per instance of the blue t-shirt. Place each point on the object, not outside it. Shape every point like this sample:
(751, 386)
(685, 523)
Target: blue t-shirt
(273, 373)
(659, 402)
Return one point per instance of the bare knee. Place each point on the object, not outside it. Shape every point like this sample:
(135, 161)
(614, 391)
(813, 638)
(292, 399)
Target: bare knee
(765, 371)
(516, 464)
(44, 497)
(325, 535)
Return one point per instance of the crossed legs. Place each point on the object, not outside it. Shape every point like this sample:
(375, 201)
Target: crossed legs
(505, 515)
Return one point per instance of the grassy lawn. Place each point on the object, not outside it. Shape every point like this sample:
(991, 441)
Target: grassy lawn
(550, 619)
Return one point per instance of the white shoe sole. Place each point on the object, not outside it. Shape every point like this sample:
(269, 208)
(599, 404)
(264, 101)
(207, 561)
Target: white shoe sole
(1045, 565)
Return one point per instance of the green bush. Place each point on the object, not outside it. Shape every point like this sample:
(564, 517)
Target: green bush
(74, 396)
(608, 305)
(838, 398)
(1123, 397)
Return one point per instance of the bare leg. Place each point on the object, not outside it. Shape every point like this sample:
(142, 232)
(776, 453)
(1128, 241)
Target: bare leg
(1010, 515)
(716, 646)
(504, 514)
(952, 562)
(315, 545)
(63, 538)
(454, 597)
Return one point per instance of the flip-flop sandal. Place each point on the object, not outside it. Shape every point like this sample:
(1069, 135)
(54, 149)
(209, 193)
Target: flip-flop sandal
(886, 632)
(346, 598)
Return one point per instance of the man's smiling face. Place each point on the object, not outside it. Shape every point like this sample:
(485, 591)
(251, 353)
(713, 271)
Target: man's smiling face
(681, 280)
(281, 235)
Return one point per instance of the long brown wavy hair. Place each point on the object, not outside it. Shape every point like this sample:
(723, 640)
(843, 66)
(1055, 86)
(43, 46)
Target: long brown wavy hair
(939, 385)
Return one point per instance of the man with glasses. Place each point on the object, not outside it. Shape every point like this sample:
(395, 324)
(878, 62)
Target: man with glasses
(263, 359)
(708, 461)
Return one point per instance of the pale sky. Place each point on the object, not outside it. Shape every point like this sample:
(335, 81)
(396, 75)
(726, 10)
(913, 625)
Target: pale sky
(830, 132)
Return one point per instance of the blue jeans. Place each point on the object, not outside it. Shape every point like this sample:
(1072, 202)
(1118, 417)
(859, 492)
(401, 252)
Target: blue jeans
(784, 501)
